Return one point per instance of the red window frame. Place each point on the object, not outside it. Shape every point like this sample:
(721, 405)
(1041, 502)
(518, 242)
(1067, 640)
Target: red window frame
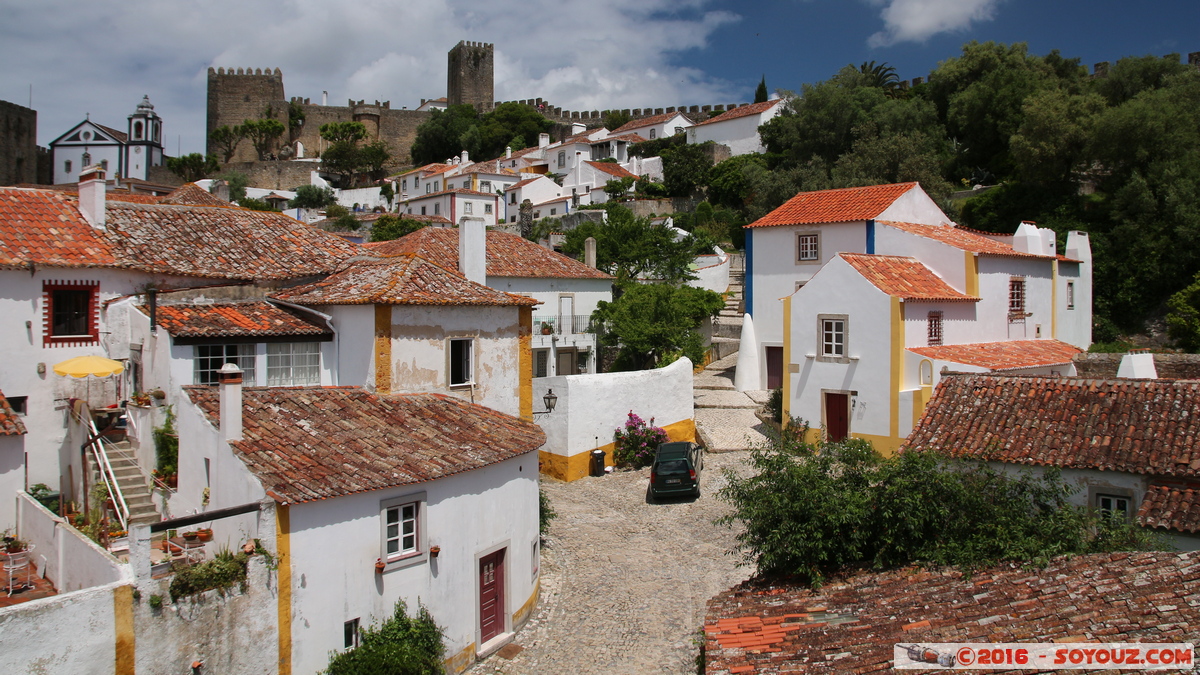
(935, 329)
(92, 335)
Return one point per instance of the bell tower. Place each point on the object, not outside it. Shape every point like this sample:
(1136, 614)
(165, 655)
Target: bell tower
(143, 147)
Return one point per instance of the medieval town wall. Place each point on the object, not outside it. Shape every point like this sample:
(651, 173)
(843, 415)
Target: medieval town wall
(18, 144)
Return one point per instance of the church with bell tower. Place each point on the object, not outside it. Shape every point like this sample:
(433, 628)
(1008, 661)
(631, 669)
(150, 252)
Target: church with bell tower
(128, 154)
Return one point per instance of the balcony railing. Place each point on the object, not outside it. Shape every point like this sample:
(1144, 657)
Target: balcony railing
(556, 325)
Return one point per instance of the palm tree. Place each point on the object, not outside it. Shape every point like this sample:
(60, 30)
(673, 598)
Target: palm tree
(882, 76)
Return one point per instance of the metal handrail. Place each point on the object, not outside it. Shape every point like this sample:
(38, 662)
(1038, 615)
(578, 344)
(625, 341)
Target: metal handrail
(106, 471)
(580, 323)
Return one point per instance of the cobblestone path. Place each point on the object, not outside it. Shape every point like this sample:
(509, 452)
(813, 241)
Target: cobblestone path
(624, 582)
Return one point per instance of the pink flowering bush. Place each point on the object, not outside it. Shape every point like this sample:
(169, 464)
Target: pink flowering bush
(636, 442)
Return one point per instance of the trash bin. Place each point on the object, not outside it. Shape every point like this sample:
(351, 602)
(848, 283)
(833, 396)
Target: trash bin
(597, 462)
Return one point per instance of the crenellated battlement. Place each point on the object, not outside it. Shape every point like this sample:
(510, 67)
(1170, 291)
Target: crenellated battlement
(696, 113)
(244, 71)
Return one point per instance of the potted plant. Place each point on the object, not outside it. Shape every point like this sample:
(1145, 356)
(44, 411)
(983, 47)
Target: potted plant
(191, 535)
(204, 533)
(379, 565)
(435, 550)
(13, 543)
(140, 398)
(547, 327)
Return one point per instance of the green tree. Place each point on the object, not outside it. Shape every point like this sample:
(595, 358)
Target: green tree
(618, 188)
(504, 124)
(814, 510)
(1050, 144)
(193, 167)
(373, 159)
(761, 95)
(401, 645)
(256, 204)
(615, 119)
(343, 132)
(312, 197)
(1132, 75)
(438, 138)
(263, 134)
(226, 140)
(343, 160)
(629, 247)
(685, 168)
(881, 75)
(237, 182)
(296, 117)
(655, 324)
(1183, 321)
(388, 227)
(387, 192)
(727, 184)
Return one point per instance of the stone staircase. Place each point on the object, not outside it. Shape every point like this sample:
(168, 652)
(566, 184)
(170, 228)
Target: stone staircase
(727, 327)
(132, 483)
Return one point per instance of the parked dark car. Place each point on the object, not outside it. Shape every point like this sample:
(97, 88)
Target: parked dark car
(676, 470)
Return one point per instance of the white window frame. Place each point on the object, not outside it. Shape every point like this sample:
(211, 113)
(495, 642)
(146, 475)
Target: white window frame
(808, 248)
(485, 186)
(829, 326)
(562, 159)
(652, 133)
(245, 355)
(1113, 501)
(469, 207)
(451, 344)
(1070, 295)
(404, 557)
(286, 359)
(487, 209)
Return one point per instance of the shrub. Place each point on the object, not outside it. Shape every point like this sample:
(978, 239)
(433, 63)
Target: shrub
(775, 404)
(224, 570)
(636, 442)
(166, 444)
(546, 512)
(401, 645)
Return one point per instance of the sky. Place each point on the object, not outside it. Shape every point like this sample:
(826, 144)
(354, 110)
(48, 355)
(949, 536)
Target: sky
(69, 59)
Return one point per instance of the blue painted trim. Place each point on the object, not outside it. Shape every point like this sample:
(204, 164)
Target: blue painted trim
(870, 237)
(748, 283)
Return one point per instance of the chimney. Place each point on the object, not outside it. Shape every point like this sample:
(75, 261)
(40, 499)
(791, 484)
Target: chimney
(1027, 240)
(230, 378)
(543, 140)
(472, 250)
(465, 157)
(507, 151)
(1137, 366)
(220, 189)
(577, 128)
(589, 252)
(91, 195)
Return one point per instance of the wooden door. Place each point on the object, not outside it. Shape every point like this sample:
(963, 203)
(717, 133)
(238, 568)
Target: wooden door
(566, 314)
(491, 595)
(837, 416)
(774, 367)
(566, 363)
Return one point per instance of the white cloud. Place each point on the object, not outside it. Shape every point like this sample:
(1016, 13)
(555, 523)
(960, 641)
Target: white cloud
(101, 57)
(919, 20)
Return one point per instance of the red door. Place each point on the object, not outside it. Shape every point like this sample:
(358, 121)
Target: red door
(837, 416)
(774, 367)
(491, 595)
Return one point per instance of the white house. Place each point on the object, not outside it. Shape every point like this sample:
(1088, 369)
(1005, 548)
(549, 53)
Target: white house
(128, 154)
(424, 498)
(455, 204)
(537, 189)
(737, 129)
(656, 126)
(568, 290)
(587, 180)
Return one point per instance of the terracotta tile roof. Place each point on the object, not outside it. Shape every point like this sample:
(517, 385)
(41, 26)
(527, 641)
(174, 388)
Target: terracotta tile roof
(398, 280)
(194, 195)
(1005, 355)
(45, 227)
(132, 197)
(742, 111)
(1134, 426)
(645, 122)
(565, 199)
(235, 319)
(522, 183)
(490, 166)
(10, 421)
(835, 206)
(1170, 507)
(119, 135)
(760, 627)
(111, 193)
(508, 255)
(628, 138)
(615, 170)
(903, 277)
(427, 170)
(960, 238)
(309, 443)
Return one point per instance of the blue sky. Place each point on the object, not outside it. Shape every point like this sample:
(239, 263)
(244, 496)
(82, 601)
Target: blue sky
(100, 57)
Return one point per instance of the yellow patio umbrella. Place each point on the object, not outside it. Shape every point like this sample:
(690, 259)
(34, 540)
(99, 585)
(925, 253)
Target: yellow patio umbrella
(82, 366)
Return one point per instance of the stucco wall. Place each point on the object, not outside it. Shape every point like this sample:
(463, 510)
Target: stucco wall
(73, 633)
(591, 407)
(12, 478)
(335, 543)
(740, 135)
(712, 272)
(71, 560)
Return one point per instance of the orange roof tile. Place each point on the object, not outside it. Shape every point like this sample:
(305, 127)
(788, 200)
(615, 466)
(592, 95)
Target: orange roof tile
(1134, 426)
(961, 238)
(45, 227)
(835, 206)
(235, 319)
(194, 195)
(10, 421)
(742, 111)
(1170, 507)
(1005, 355)
(628, 138)
(508, 255)
(906, 278)
(1110, 597)
(612, 169)
(403, 279)
(645, 122)
(310, 443)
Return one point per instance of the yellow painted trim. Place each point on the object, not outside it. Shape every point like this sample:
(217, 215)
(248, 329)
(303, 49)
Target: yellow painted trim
(882, 444)
(1054, 299)
(787, 358)
(462, 660)
(525, 363)
(573, 467)
(526, 610)
(972, 274)
(125, 638)
(283, 580)
(920, 400)
(383, 349)
(897, 365)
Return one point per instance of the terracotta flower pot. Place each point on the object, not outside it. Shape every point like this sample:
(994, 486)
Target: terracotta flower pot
(205, 534)
(380, 566)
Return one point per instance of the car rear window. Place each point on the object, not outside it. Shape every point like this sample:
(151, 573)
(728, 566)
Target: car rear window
(673, 466)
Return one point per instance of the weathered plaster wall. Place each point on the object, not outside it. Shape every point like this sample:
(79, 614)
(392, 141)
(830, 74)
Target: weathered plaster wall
(72, 633)
(71, 560)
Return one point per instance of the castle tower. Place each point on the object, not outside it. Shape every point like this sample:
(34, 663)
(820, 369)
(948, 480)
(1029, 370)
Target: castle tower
(470, 74)
(144, 148)
(236, 95)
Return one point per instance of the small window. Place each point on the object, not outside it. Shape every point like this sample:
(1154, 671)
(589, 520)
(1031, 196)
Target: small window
(210, 358)
(469, 207)
(404, 185)
(403, 540)
(562, 159)
(19, 404)
(70, 313)
(437, 208)
(293, 364)
(487, 209)
(678, 130)
(537, 214)
(1113, 504)
(512, 219)
(137, 130)
(808, 247)
(461, 361)
(1016, 298)
(541, 360)
(554, 211)
(416, 182)
(651, 134)
(428, 188)
(1070, 295)
(104, 164)
(935, 329)
(86, 159)
(67, 166)
(485, 186)
(436, 183)
(833, 338)
(422, 210)
(350, 634)
(512, 198)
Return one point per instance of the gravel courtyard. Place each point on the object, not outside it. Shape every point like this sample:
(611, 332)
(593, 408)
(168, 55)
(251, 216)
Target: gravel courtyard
(624, 583)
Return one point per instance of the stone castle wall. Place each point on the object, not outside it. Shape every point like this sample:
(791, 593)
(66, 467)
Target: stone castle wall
(1169, 366)
(470, 75)
(244, 94)
(18, 144)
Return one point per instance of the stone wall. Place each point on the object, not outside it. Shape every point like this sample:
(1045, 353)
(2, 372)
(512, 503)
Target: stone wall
(470, 73)
(1169, 366)
(18, 144)
(235, 96)
(276, 175)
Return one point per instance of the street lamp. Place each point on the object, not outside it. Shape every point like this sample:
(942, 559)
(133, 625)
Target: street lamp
(551, 400)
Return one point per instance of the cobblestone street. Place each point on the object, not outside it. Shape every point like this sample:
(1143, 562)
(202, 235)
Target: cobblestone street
(624, 583)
